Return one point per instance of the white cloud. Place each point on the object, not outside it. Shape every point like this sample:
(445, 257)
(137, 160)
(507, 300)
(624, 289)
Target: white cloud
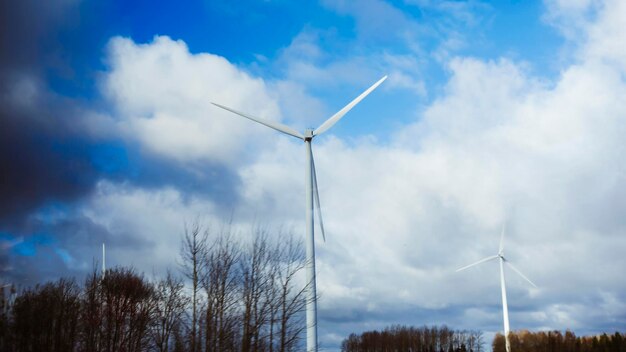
(162, 94)
(606, 40)
(154, 218)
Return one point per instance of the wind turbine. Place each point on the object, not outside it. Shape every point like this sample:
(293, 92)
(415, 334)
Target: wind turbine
(311, 186)
(502, 260)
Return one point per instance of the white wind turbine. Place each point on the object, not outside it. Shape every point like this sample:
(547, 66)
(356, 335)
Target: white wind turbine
(311, 185)
(502, 260)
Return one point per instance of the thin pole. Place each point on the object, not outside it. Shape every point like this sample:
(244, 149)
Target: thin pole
(505, 308)
(311, 299)
(103, 261)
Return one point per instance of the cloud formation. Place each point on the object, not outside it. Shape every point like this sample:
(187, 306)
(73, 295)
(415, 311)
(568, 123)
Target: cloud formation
(498, 145)
(42, 154)
(162, 95)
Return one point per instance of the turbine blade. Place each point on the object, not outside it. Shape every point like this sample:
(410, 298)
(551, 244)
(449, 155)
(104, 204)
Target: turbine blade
(333, 119)
(519, 272)
(275, 125)
(501, 248)
(317, 196)
(478, 262)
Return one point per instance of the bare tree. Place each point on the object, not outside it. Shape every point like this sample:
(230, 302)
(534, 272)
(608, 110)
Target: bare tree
(291, 300)
(45, 318)
(194, 246)
(475, 341)
(256, 275)
(272, 295)
(170, 305)
(91, 313)
(179, 343)
(7, 292)
(225, 279)
(128, 307)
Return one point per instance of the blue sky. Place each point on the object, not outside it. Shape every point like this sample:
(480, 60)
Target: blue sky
(494, 113)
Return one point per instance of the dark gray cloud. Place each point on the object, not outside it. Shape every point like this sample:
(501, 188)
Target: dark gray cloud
(40, 160)
(28, 31)
(41, 155)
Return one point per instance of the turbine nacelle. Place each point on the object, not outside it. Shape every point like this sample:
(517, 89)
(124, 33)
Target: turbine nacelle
(308, 134)
(500, 255)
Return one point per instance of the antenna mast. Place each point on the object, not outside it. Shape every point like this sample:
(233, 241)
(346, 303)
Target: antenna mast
(103, 260)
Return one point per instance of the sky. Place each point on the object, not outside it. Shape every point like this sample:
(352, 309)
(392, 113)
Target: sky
(494, 113)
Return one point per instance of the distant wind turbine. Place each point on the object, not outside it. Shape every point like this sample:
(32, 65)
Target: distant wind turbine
(311, 186)
(502, 260)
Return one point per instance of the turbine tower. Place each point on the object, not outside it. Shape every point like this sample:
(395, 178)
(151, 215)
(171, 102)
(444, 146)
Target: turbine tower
(311, 193)
(502, 260)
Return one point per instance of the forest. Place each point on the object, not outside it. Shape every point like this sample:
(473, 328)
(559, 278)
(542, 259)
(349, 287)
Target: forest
(227, 295)
(444, 339)
(555, 341)
(422, 339)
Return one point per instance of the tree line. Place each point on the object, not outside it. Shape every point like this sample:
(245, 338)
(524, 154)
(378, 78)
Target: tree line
(231, 296)
(415, 339)
(555, 341)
